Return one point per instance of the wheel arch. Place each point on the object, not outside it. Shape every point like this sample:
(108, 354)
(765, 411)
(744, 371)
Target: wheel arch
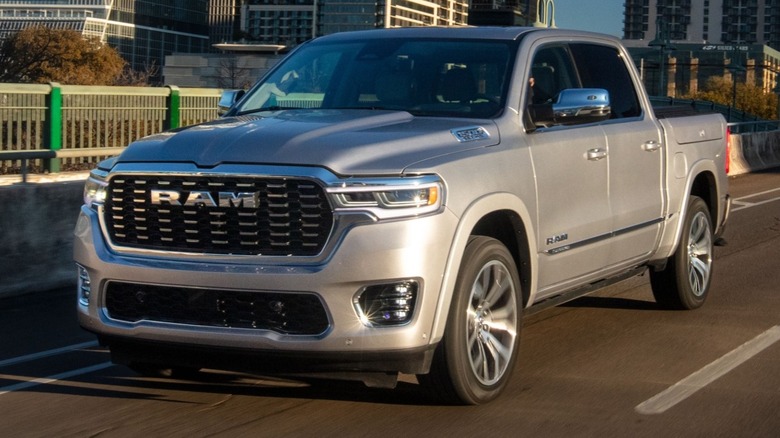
(501, 216)
(701, 182)
(705, 187)
(507, 227)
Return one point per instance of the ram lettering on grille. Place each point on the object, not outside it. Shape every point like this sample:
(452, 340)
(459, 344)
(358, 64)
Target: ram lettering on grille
(195, 198)
(218, 214)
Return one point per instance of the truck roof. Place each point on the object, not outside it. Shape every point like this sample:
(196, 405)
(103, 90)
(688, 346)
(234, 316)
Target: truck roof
(465, 32)
(506, 33)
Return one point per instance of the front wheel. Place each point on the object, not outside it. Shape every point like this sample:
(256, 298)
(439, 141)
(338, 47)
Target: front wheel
(685, 282)
(474, 360)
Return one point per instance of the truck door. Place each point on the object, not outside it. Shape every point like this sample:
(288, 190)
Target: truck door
(635, 153)
(571, 172)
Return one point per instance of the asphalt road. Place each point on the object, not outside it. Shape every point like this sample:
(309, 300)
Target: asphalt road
(611, 364)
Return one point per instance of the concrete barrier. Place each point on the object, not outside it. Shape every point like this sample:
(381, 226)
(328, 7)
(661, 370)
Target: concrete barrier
(36, 236)
(755, 151)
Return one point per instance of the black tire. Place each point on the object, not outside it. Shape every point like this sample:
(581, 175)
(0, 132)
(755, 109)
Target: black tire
(475, 359)
(685, 283)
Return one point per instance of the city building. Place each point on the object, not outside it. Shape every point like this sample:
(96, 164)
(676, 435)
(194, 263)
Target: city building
(143, 31)
(291, 22)
(223, 20)
(678, 44)
(504, 12)
(284, 22)
(267, 29)
(705, 21)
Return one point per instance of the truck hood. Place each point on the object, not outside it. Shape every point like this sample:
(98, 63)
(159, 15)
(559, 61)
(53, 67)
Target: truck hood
(345, 141)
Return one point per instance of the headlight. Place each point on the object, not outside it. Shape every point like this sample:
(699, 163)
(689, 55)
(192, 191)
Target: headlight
(95, 188)
(390, 198)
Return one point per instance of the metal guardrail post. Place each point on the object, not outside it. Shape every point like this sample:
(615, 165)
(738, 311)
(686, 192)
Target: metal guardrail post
(173, 111)
(53, 133)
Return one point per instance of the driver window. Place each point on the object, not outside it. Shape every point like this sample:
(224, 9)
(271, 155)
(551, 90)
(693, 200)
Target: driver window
(551, 72)
(604, 67)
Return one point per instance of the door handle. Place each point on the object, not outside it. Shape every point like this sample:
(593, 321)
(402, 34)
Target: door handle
(651, 146)
(596, 154)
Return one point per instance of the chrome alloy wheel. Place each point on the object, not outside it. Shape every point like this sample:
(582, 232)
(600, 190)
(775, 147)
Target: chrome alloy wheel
(492, 321)
(699, 254)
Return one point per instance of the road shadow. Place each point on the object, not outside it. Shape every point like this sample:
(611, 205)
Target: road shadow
(118, 382)
(611, 303)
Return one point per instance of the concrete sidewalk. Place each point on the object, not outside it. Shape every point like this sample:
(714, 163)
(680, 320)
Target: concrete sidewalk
(34, 178)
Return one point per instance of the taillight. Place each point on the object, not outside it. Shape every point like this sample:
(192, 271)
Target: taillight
(728, 149)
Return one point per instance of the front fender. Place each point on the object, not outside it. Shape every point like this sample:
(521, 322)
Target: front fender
(477, 210)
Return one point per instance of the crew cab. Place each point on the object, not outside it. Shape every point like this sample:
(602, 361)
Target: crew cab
(394, 201)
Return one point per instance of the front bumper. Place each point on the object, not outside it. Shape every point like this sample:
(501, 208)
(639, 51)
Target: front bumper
(364, 254)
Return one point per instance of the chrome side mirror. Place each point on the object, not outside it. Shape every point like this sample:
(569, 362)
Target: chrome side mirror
(227, 100)
(573, 106)
(582, 105)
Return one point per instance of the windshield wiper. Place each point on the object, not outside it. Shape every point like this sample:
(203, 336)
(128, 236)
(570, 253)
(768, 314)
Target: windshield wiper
(270, 108)
(373, 108)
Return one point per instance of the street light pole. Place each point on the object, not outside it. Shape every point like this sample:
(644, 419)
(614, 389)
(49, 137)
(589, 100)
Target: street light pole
(662, 42)
(735, 68)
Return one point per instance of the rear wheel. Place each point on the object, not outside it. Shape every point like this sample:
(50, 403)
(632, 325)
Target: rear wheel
(474, 360)
(685, 282)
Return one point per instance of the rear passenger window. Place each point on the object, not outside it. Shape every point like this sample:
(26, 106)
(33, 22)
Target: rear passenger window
(603, 67)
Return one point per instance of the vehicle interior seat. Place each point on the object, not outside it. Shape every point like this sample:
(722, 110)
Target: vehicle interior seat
(545, 87)
(457, 85)
(394, 88)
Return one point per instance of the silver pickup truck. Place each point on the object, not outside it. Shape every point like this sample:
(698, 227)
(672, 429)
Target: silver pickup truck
(394, 201)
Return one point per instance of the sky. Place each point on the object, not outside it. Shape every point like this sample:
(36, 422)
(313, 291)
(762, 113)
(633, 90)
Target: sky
(605, 16)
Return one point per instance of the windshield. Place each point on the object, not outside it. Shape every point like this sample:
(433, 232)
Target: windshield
(463, 78)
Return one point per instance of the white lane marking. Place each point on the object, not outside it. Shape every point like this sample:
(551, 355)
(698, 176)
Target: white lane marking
(54, 378)
(47, 353)
(761, 193)
(741, 203)
(698, 380)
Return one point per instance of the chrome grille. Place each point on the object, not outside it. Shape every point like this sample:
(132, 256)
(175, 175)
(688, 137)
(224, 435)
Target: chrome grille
(218, 215)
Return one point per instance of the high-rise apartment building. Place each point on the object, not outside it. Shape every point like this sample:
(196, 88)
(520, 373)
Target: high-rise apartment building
(678, 44)
(279, 22)
(704, 21)
(291, 22)
(223, 20)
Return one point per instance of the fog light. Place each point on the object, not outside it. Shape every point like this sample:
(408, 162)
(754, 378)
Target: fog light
(84, 286)
(386, 304)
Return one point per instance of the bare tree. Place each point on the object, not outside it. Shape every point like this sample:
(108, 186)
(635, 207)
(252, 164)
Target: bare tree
(138, 78)
(232, 75)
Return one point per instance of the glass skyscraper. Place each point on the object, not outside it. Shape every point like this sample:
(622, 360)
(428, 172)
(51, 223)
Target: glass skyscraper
(143, 31)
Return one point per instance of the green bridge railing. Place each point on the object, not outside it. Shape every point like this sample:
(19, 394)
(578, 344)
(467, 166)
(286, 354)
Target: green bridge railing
(84, 124)
(55, 127)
